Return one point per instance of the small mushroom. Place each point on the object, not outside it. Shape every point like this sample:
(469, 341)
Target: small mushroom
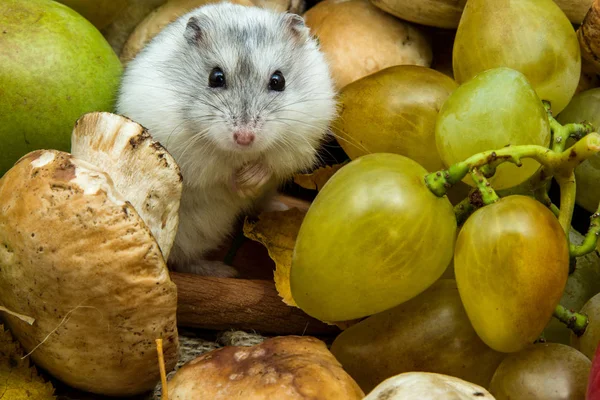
(427, 386)
(142, 170)
(78, 258)
(284, 367)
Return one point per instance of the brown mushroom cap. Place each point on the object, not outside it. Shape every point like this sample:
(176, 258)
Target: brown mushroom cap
(158, 19)
(77, 257)
(140, 168)
(427, 386)
(285, 367)
(359, 39)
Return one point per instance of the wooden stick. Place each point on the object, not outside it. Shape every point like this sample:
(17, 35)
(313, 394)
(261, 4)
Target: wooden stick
(245, 304)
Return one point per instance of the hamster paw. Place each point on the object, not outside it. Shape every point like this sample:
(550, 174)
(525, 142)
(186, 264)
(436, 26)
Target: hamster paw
(249, 179)
(209, 268)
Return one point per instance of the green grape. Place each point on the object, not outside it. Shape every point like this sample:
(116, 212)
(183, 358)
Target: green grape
(585, 106)
(582, 285)
(374, 237)
(588, 342)
(511, 264)
(532, 36)
(543, 371)
(429, 333)
(394, 111)
(496, 108)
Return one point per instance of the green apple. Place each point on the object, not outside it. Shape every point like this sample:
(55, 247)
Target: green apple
(54, 67)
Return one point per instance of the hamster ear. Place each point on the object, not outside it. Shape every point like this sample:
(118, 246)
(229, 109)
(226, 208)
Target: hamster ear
(296, 25)
(193, 31)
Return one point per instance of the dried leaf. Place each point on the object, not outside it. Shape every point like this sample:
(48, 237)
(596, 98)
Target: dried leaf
(317, 179)
(19, 380)
(277, 231)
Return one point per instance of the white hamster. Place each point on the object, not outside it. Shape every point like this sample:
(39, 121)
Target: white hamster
(242, 98)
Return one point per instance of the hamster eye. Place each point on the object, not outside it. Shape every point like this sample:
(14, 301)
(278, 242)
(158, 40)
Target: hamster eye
(216, 78)
(277, 82)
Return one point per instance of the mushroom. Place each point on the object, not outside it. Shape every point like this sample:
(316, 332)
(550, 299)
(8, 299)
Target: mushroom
(359, 39)
(158, 19)
(427, 386)
(284, 367)
(78, 257)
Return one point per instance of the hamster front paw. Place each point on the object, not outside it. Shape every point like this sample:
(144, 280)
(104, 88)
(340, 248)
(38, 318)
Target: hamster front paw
(250, 179)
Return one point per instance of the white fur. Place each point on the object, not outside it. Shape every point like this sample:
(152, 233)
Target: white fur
(165, 89)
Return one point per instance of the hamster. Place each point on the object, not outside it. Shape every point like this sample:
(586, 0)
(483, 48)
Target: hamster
(242, 98)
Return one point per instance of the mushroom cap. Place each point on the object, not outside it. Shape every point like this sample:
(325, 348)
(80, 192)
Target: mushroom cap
(140, 168)
(359, 39)
(77, 257)
(284, 367)
(158, 19)
(427, 386)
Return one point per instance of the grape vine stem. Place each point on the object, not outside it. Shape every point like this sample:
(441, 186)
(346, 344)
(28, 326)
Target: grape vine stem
(488, 194)
(561, 165)
(576, 322)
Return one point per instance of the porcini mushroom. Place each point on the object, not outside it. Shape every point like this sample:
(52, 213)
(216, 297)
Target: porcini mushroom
(427, 386)
(158, 19)
(284, 367)
(78, 257)
(359, 39)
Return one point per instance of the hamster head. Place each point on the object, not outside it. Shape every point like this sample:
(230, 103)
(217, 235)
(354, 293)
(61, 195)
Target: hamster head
(243, 81)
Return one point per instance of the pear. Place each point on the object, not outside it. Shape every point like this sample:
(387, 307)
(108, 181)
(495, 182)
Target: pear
(55, 66)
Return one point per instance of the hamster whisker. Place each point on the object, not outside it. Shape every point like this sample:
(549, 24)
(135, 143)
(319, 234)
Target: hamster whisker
(358, 145)
(283, 106)
(291, 144)
(193, 141)
(173, 131)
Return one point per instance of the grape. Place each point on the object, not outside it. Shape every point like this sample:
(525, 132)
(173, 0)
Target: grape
(496, 108)
(588, 342)
(374, 237)
(532, 36)
(543, 371)
(429, 333)
(394, 111)
(585, 106)
(582, 285)
(511, 264)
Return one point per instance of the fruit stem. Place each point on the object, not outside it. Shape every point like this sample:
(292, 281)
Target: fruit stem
(560, 133)
(488, 194)
(555, 163)
(575, 321)
(567, 199)
(542, 196)
(466, 207)
(591, 238)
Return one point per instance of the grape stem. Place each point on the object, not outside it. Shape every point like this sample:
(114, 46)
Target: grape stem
(467, 206)
(575, 321)
(591, 238)
(559, 164)
(560, 133)
(488, 194)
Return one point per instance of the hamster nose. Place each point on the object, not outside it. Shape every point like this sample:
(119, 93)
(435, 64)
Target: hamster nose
(243, 137)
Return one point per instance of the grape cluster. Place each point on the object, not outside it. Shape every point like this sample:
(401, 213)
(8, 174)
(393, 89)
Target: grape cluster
(465, 288)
